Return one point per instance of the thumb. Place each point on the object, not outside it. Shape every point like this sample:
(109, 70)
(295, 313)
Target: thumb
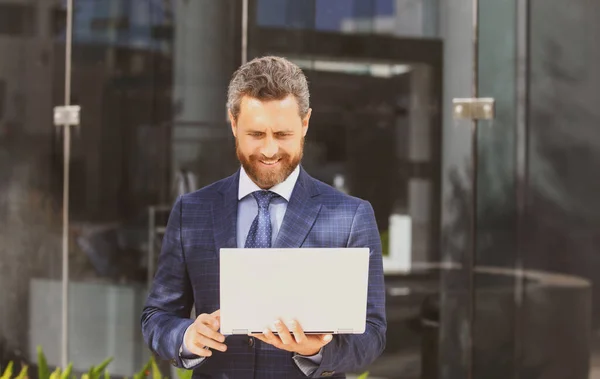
(217, 317)
(327, 338)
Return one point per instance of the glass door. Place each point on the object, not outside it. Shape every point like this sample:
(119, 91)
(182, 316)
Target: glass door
(482, 282)
(480, 305)
(523, 305)
(560, 226)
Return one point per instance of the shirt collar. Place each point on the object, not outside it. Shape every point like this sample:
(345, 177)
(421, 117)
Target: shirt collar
(283, 189)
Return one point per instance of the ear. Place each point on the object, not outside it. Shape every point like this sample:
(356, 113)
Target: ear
(305, 122)
(233, 123)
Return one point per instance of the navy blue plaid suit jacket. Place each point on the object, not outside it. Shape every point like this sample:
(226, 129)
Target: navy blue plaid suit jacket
(203, 222)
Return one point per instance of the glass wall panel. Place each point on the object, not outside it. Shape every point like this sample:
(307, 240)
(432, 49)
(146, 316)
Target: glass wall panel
(495, 324)
(562, 226)
(534, 301)
(455, 303)
(151, 78)
(375, 133)
(31, 83)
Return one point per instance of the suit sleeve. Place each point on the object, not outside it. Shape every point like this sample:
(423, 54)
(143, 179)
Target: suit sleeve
(352, 352)
(166, 315)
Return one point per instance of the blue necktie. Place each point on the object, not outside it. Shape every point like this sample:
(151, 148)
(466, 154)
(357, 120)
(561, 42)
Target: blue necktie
(259, 235)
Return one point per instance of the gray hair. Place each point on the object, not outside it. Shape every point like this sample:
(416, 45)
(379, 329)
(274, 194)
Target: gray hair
(268, 78)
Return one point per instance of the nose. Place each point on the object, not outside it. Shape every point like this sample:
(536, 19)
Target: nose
(269, 148)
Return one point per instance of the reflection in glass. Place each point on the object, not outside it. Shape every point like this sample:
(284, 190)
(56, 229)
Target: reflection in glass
(374, 134)
(30, 175)
(387, 17)
(151, 78)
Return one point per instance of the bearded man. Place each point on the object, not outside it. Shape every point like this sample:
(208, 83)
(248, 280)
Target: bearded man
(269, 202)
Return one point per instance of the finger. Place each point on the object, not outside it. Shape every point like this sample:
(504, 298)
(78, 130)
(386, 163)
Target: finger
(299, 335)
(272, 339)
(284, 333)
(262, 338)
(326, 338)
(206, 331)
(202, 341)
(217, 314)
(200, 351)
(213, 322)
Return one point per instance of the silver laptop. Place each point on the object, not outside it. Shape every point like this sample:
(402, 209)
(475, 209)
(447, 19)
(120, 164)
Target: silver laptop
(324, 289)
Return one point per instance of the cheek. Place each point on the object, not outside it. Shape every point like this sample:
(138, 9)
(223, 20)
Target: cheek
(247, 146)
(291, 147)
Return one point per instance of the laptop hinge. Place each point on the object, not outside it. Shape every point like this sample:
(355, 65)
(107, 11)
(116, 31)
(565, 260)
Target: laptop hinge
(345, 331)
(240, 331)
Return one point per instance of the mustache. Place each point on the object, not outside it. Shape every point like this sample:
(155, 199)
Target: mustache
(262, 157)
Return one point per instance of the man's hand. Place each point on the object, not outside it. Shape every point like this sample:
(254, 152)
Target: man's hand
(298, 343)
(204, 334)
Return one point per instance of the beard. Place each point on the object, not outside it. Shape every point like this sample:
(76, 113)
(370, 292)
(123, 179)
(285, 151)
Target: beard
(267, 177)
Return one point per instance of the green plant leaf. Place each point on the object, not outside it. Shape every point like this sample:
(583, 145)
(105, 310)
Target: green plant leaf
(144, 371)
(43, 371)
(364, 375)
(67, 373)
(8, 372)
(156, 374)
(184, 374)
(98, 370)
(90, 373)
(106, 374)
(55, 374)
(24, 372)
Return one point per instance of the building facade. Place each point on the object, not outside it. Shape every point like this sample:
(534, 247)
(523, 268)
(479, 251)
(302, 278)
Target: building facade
(489, 280)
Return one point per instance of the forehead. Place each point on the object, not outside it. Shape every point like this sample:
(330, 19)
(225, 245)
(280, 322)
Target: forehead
(276, 115)
(251, 106)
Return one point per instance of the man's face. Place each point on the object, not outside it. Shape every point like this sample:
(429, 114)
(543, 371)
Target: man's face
(269, 138)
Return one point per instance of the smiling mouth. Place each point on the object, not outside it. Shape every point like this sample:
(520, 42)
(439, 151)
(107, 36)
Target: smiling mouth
(270, 163)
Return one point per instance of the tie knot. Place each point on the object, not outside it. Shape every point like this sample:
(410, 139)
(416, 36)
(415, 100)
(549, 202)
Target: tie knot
(263, 198)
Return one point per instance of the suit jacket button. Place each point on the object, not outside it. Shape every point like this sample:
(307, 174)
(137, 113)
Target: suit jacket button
(251, 341)
(326, 374)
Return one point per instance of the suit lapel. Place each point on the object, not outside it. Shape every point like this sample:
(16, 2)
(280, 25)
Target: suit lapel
(225, 214)
(301, 213)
